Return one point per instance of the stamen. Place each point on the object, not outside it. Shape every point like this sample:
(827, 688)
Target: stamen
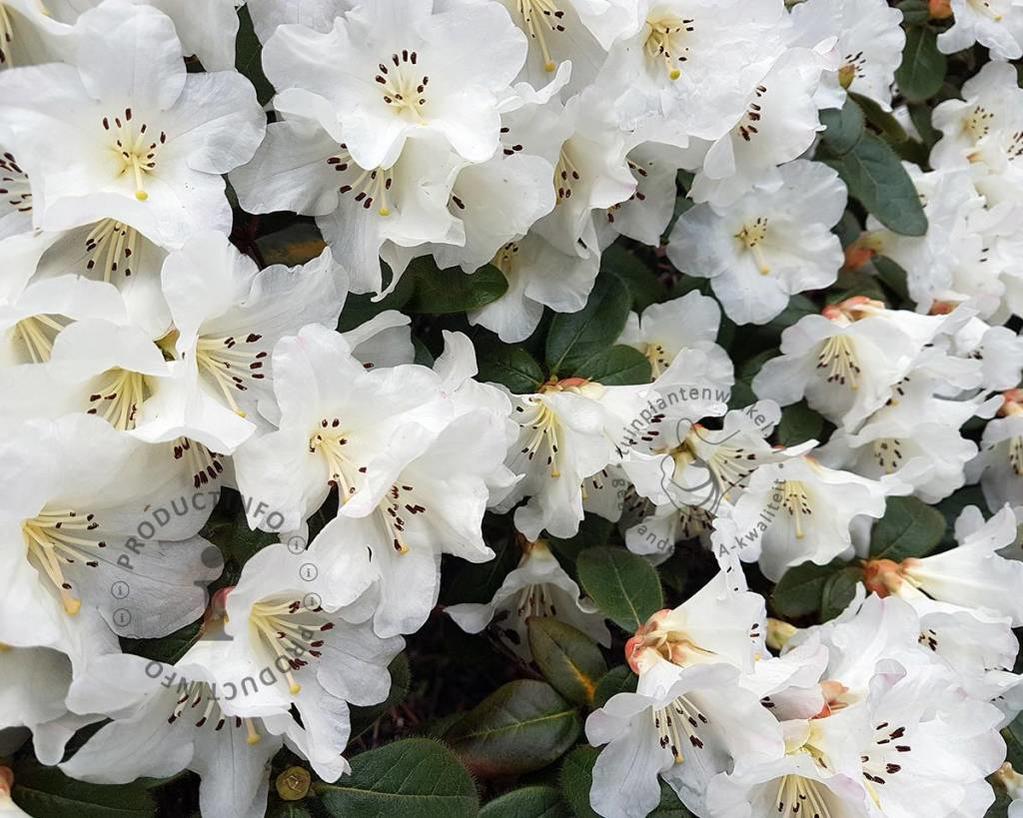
(678, 724)
(112, 246)
(368, 186)
(62, 536)
(134, 148)
(232, 362)
(118, 396)
(537, 17)
(666, 43)
(796, 502)
(752, 236)
(545, 425)
(403, 84)
(565, 175)
(15, 190)
(38, 333)
(839, 354)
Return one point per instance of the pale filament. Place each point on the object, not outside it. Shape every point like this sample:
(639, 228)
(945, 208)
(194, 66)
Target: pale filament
(538, 16)
(58, 538)
(111, 245)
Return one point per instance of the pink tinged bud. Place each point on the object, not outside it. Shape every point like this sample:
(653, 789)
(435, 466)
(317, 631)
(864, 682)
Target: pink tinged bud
(883, 577)
(940, 9)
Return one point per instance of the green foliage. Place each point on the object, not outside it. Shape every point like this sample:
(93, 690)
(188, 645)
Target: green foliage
(923, 67)
(442, 292)
(576, 340)
(909, 528)
(45, 792)
(567, 657)
(625, 587)
(874, 175)
(523, 726)
(529, 802)
(411, 777)
(800, 590)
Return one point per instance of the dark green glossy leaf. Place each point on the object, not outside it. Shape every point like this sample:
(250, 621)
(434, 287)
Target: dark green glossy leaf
(923, 67)
(798, 424)
(248, 57)
(416, 776)
(616, 366)
(511, 366)
(874, 175)
(637, 276)
(523, 726)
(839, 591)
(909, 528)
(799, 591)
(45, 792)
(442, 292)
(575, 338)
(624, 586)
(568, 658)
(528, 802)
(843, 127)
(881, 119)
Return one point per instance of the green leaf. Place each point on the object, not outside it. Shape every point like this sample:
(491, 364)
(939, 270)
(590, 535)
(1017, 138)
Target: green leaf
(567, 657)
(624, 586)
(594, 530)
(839, 590)
(799, 591)
(523, 726)
(637, 276)
(511, 366)
(877, 116)
(617, 366)
(416, 776)
(442, 292)
(617, 680)
(909, 528)
(875, 176)
(914, 12)
(45, 792)
(363, 718)
(168, 649)
(798, 424)
(923, 67)
(528, 802)
(248, 57)
(893, 277)
(574, 338)
(844, 127)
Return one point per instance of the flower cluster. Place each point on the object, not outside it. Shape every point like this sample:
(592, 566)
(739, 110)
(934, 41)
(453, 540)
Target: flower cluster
(334, 332)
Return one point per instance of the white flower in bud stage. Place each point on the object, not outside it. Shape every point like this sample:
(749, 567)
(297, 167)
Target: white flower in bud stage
(538, 587)
(94, 513)
(996, 24)
(387, 72)
(171, 718)
(136, 139)
(869, 46)
(798, 511)
(767, 246)
(682, 725)
(307, 645)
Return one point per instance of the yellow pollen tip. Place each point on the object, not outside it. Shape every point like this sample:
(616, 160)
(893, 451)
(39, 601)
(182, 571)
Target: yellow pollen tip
(674, 74)
(295, 688)
(765, 271)
(241, 414)
(4, 648)
(550, 67)
(141, 195)
(72, 606)
(385, 211)
(253, 739)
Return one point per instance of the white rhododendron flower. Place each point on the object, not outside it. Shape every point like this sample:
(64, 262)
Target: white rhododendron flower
(143, 143)
(504, 406)
(768, 246)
